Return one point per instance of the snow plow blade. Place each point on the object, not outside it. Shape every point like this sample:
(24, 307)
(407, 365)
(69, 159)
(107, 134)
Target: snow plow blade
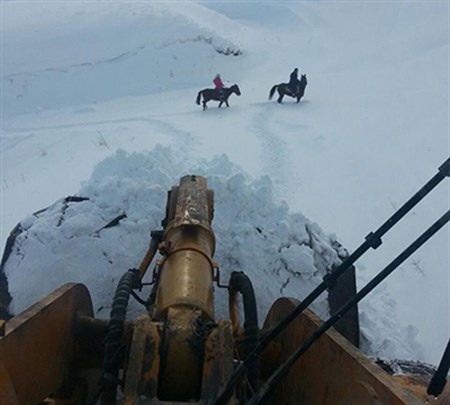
(38, 347)
(175, 351)
(56, 338)
(333, 371)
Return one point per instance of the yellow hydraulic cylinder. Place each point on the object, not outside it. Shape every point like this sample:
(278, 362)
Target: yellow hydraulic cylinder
(184, 297)
(186, 272)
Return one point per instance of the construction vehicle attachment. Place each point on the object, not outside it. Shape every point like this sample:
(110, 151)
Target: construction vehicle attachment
(177, 352)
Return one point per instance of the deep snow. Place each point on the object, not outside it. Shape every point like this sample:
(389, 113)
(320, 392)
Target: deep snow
(81, 80)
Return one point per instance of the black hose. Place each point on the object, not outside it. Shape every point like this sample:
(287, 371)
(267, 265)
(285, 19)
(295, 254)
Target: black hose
(241, 283)
(113, 340)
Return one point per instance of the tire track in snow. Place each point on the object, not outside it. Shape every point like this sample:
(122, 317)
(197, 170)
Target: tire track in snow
(181, 142)
(67, 69)
(81, 124)
(7, 143)
(275, 156)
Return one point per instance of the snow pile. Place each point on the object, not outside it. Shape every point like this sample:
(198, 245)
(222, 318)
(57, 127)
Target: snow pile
(283, 253)
(391, 341)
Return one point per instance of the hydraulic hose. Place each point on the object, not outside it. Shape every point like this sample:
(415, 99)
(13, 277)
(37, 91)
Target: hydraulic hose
(239, 282)
(113, 340)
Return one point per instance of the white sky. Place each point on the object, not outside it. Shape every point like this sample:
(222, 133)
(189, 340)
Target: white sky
(81, 80)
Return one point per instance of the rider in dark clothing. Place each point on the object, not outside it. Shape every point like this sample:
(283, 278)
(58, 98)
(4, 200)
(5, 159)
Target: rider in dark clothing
(293, 79)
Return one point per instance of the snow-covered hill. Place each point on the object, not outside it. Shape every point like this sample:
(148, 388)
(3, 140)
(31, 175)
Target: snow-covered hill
(81, 80)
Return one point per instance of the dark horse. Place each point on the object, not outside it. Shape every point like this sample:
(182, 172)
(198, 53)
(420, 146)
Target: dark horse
(284, 90)
(213, 94)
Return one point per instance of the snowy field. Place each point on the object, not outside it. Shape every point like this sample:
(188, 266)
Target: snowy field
(98, 100)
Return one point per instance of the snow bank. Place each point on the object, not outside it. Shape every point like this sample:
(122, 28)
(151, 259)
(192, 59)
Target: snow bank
(283, 253)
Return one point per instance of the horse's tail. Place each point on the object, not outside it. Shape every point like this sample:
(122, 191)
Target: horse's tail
(199, 96)
(272, 91)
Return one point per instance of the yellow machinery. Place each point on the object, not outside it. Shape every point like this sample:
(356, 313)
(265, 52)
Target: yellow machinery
(56, 352)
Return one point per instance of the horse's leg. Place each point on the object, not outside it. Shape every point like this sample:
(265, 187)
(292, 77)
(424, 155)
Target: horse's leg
(204, 105)
(280, 96)
(226, 102)
(220, 104)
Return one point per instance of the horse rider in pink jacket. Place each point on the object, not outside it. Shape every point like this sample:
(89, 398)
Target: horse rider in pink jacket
(219, 85)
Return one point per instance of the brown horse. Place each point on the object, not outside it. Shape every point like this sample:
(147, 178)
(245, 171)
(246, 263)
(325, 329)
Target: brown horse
(213, 94)
(284, 90)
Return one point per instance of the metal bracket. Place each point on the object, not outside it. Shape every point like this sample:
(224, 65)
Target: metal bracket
(216, 277)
